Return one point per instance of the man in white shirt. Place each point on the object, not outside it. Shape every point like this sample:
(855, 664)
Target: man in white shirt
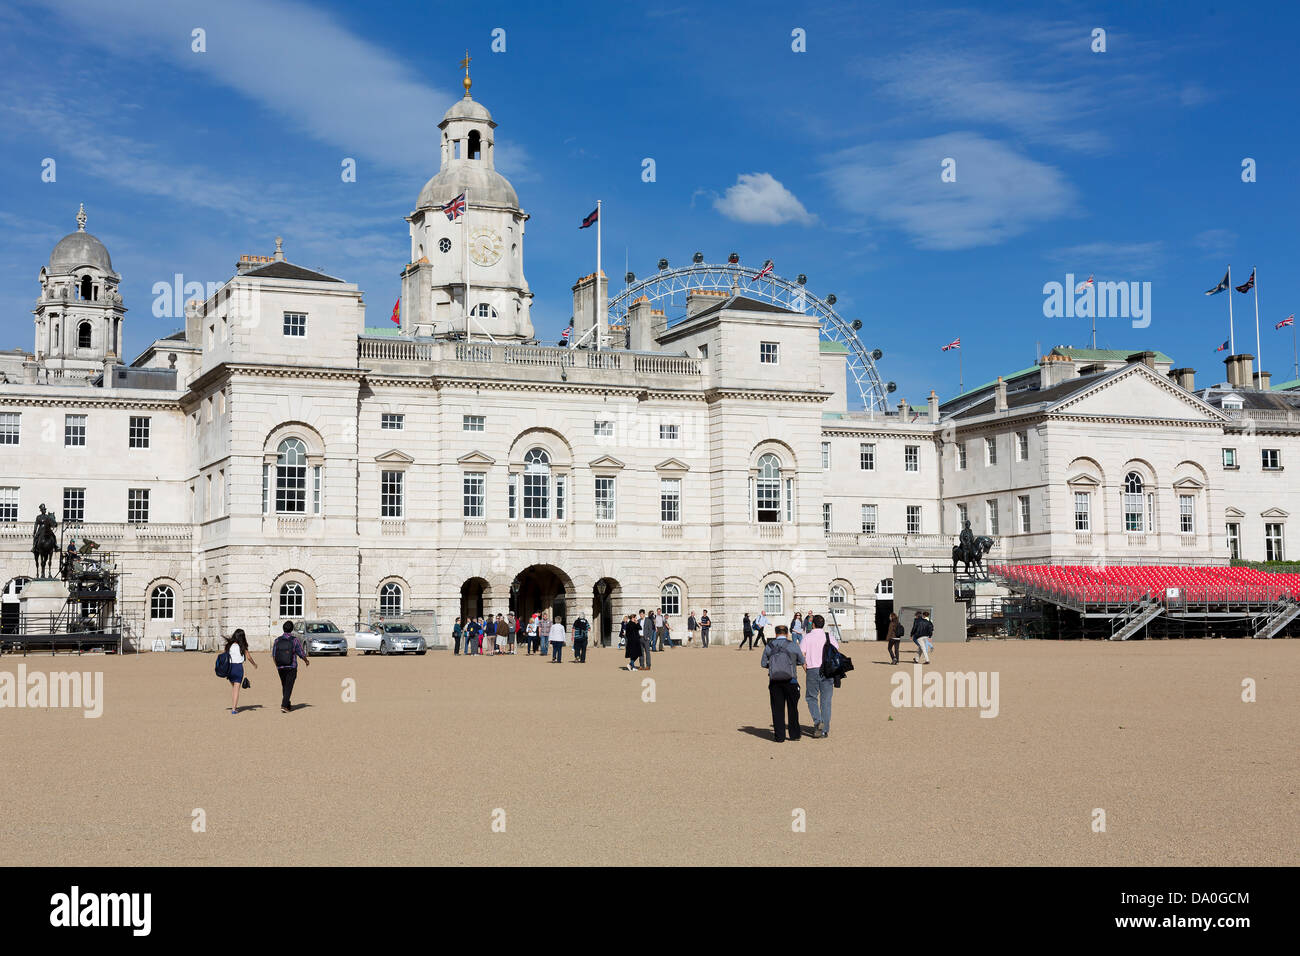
(759, 633)
(557, 641)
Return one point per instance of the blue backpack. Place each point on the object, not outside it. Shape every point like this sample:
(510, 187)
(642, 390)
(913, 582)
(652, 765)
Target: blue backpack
(223, 665)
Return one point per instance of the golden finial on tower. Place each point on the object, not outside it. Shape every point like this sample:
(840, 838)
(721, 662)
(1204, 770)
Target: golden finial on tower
(465, 64)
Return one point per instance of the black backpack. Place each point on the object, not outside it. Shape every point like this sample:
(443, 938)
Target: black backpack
(282, 652)
(834, 664)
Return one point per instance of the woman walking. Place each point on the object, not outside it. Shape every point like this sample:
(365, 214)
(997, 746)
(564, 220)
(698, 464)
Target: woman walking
(796, 627)
(747, 629)
(237, 648)
(895, 635)
(632, 638)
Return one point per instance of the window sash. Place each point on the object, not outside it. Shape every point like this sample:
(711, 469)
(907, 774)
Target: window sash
(1273, 541)
(911, 458)
(1186, 514)
(1233, 535)
(869, 518)
(913, 519)
(1134, 511)
(295, 324)
(561, 499)
(767, 494)
(991, 450)
(74, 505)
(826, 454)
(537, 496)
(474, 494)
(512, 494)
(74, 431)
(392, 422)
(10, 427)
(291, 489)
(137, 506)
(826, 517)
(606, 499)
(291, 600)
(138, 432)
(8, 504)
(1082, 511)
(473, 423)
(391, 494)
(670, 500)
(867, 457)
(991, 515)
(1024, 514)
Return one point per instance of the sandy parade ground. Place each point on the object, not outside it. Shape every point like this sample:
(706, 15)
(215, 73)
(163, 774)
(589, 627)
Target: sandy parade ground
(453, 760)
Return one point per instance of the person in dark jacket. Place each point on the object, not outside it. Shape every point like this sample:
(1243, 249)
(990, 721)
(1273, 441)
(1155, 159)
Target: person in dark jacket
(894, 636)
(747, 629)
(647, 638)
(921, 629)
(632, 641)
(581, 629)
(456, 631)
(289, 672)
(783, 689)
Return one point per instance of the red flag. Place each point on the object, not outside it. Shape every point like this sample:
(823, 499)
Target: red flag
(397, 311)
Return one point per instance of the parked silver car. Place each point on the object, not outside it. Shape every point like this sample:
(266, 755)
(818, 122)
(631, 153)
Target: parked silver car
(389, 637)
(322, 637)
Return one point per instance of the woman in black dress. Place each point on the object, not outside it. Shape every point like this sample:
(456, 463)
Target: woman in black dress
(632, 635)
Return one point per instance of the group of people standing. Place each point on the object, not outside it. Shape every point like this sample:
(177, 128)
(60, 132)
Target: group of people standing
(641, 634)
(504, 634)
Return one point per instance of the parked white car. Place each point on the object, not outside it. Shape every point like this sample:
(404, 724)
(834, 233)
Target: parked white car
(388, 638)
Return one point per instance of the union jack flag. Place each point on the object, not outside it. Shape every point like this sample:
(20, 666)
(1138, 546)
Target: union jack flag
(1248, 284)
(954, 344)
(455, 208)
(767, 269)
(1083, 285)
(567, 332)
(1289, 320)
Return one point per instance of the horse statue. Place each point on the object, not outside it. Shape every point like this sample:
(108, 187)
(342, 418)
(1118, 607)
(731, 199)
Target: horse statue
(972, 553)
(44, 542)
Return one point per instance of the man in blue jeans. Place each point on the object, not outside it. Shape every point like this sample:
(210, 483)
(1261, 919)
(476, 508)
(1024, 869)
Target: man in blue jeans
(820, 688)
(285, 651)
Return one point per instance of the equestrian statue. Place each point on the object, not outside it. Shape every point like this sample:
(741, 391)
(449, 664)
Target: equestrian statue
(970, 550)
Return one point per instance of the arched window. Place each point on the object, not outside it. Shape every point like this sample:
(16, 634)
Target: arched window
(162, 603)
(83, 335)
(838, 595)
(475, 145)
(291, 477)
(773, 598)
(291, 599)
(390, 599)
(885, 588)
(768, 489)
(1133, 503)
(670, 599)
(86, 287)
(537, 485)
(484, 311)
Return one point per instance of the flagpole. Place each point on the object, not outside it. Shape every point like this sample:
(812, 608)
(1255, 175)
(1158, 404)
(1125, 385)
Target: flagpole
(1259, 355)
(464, 255)
(961, 382)
(1232, 335)
(600, 317)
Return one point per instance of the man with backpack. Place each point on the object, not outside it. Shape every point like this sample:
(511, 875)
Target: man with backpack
(782, 657)
(581, 628)
(820, 687)
(285, 651)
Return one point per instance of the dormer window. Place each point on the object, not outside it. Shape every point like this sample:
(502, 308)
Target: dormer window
(475, 146)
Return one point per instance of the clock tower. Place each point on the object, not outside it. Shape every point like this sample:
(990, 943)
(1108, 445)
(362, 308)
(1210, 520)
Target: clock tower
(480, 251)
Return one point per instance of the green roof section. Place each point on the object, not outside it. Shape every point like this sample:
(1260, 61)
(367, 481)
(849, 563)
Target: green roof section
(383, 330)
(1005, 378)
(1292, 385)
(828, 346)
(1103, 355)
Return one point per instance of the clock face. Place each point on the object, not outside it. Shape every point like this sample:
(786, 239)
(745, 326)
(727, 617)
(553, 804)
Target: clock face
(485, 247)
(444, 245)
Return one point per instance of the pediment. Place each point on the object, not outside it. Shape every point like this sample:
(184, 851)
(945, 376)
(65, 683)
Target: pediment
(1189, 484)
(606, 463)
(1274, 513)
(1083, 480)
(476, 458)
(672, 464)
(1234, 512)
(395, 457)
(1139, 393)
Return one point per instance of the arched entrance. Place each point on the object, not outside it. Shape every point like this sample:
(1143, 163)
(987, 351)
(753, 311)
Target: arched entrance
(10, 605)
(604, 597)
(541, 587)
(474, 595)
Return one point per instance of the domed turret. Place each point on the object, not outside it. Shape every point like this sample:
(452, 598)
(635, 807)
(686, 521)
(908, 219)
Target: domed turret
(79, 249)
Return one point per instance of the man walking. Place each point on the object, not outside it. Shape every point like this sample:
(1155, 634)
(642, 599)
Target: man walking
(557, 642)
(581, 628)
(760, 626)
(692, 625)
(747, 631)
(782, 657)
(661, 630)
(544, 632)
(705, 624)
(285, 652)
(647, 624)
(820, 688)
(921, 629)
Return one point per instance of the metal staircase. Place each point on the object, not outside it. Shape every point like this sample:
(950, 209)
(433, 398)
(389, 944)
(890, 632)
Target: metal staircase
(1135, 617)
(1278, 615)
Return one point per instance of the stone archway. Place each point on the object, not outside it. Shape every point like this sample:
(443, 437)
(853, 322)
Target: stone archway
(542, 587)
(475, 598)
(606, 595)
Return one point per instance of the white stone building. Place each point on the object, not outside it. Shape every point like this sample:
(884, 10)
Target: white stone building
(279, 459)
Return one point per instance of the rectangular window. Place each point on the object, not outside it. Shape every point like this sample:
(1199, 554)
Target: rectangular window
(1082, 511)
(392, 422)
(911, 458)
(1234, 540)
(512, 493)
(1271, 459)
(789, 499)
(1273, 541)
(668, 433)
(1133, 512)
(769, 500)
(604, 429)
(769, 353)
(670, 500)
(537, 495)
(9, 422)
(390, 494)
(473, 423)
(137, 506)
(1024, 513)
(1229, 458)
(74, 505)
(560, 497)
(991, 451)
(991, 515)
(961, 456)
(475, 487)
(8, 505)
(74, 430)
(826, 517)
(962, 516)
(606, 501)
(1022, 446)
(867, 457)
(913, 519)
(826, 454)
(138, 432)
(1186, 514)
(317, 481)
(868, 519)
(266, 481)
(295, 324)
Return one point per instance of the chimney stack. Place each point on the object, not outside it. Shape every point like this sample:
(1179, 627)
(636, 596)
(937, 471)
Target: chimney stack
(934, 408)
(1146, 358)
(902, 409)
(1239, 367)
(1183, 378)
(1000, 396)
(1263, 381)
(638, 326)
(1053, 369)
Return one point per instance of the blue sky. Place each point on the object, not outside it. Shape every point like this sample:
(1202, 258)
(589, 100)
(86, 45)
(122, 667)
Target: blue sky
(1125, 164)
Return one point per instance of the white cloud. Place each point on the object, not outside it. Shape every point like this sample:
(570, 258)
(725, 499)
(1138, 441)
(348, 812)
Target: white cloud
(1215, 243)
(1112, 258)
(998, 193)
(761, 199)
